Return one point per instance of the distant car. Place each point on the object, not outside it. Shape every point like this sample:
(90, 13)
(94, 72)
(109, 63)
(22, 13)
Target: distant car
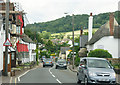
(61, 63)
(43, 59)
(47, 62)
(96, 70)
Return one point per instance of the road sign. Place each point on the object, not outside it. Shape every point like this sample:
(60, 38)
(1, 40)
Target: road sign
(76, 44)
(7, 43)
(70, 50)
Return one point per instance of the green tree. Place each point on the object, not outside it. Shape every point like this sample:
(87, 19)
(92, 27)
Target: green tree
(99, 53)
(50, 46)
(64, 24)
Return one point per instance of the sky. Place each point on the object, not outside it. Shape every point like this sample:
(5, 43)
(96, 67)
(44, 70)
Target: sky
(47, 10)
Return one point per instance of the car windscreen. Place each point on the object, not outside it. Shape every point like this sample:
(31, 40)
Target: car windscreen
(96, 63)
(61, 61)
(48, 60)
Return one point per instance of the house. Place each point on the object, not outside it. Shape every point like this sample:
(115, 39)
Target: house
(70, 43)
(83, 40)
(22, 45)
(1, 44)
(31, 47)
(64, 52)
(2, 48)
(26, 49)
(107, 37)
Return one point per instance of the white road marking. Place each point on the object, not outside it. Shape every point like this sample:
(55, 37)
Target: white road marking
(53, 75)
(51, 72)
(23, 75)
(58, 81)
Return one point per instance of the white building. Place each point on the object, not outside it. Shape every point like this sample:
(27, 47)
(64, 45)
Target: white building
(31, 48)
(1, 44)
(107, 37)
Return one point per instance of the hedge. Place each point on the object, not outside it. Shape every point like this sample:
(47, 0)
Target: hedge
(100, 53)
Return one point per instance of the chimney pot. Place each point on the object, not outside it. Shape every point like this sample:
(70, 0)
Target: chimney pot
(111, 23)
(90, 14)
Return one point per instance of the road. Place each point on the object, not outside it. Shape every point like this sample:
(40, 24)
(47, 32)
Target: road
(49, 75)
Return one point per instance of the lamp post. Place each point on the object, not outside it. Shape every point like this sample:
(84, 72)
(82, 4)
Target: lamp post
(73, 38)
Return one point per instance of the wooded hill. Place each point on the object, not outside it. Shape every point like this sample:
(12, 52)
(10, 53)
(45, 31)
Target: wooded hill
(64, 24)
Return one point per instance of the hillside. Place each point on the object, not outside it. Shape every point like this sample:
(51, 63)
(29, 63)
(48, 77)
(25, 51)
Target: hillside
(76, 33)
(64, 24)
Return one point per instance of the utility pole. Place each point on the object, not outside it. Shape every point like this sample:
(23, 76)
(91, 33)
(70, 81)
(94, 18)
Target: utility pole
(6, 30)
(80, 40)
(73, 38)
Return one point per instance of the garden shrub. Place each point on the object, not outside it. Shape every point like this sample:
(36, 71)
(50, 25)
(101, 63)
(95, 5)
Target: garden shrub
(100, 53)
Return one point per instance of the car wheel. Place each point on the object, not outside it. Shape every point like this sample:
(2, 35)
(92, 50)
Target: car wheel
(56, 67)
(43, 65)
(86, 81)
(79, 81)
(65, 67)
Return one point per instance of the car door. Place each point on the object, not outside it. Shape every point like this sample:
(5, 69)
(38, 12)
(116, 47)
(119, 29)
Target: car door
(83, 69)
(80, 70)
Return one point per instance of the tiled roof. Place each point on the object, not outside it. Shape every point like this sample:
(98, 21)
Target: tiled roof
(25, 38)
(104, 30)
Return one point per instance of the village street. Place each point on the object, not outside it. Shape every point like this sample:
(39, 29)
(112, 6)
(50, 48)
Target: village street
(50, 75)
(85, 45)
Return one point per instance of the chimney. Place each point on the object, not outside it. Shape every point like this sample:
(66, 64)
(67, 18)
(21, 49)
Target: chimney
(90, 25)
(111, 23)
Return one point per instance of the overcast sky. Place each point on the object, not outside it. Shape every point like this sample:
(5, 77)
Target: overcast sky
(47, 10)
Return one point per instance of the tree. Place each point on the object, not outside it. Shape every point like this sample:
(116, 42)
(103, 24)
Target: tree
(64, 24)
(50, 46)
(45, 34)
(44, 53)
(100, 53)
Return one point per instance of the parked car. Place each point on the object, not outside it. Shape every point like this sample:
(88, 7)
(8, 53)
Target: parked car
(61, 63)
(48, 62)
(43, 59)
(95, 70)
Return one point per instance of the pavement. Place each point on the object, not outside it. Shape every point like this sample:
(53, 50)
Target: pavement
(13, 79)
(75, 70)
(71, 68)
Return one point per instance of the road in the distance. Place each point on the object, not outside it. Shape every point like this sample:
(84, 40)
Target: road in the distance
(49, 75)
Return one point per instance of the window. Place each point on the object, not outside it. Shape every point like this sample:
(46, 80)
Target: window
(95, 63)
(12, 55)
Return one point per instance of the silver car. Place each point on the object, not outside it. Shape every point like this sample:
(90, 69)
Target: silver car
(95, 71)
(61, 63)
(47, 62)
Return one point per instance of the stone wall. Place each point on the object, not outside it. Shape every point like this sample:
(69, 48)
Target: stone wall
(114, 60)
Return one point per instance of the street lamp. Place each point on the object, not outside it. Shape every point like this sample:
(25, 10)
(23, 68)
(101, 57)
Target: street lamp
(73, 37)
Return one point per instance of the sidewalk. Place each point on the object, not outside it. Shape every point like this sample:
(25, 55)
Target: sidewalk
(11, 79)
(75, 70)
